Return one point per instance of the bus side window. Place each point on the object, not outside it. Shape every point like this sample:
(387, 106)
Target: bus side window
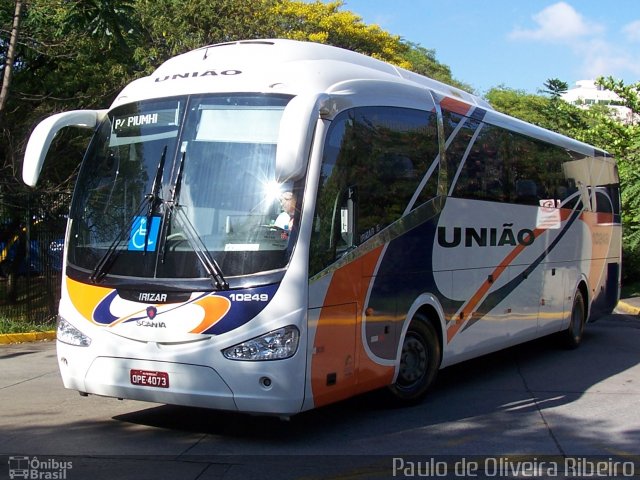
(330, 201)
(527, 192)
(479, 171)
(392, 165)
(375, 160)
(607, 204)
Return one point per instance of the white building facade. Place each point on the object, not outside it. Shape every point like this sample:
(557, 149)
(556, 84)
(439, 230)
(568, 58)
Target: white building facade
(586, 93)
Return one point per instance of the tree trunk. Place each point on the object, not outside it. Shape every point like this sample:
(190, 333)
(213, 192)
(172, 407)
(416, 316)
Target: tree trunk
(11, 53)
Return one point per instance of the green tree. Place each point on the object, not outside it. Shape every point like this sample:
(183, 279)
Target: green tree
(520, 104)
(328, 23)
(58, 67)
(423, 61)
(623, 140)
(551, 113)
(555, 87)
(630, 94)
(108, 20)
(173, 27)
(9, 58)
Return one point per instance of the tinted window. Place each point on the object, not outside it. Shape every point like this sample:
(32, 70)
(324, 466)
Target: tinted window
(537, 170)
(490, 163)
(484, 174)
(378, 161)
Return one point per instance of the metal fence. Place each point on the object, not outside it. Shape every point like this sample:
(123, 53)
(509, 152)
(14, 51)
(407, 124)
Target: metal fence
(32, 227)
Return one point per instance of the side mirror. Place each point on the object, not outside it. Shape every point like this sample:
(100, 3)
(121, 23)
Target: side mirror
(343, 225)
(295, 136)
(42, 136)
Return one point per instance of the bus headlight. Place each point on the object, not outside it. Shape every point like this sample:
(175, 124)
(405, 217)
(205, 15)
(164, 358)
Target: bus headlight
(69, 334)
(275, 345)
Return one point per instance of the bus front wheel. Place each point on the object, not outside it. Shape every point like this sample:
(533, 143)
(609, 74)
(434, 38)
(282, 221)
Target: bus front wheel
(419, 361)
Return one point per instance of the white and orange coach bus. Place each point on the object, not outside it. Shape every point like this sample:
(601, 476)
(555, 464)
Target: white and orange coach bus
(422, 228)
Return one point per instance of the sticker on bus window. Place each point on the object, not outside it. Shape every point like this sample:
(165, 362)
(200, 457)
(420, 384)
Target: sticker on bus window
(549, 214)
(139, 234)
(146, 123)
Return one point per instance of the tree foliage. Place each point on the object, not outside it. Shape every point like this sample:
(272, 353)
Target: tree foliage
(518, 103)
(10, 58)
(630, 94)
(327, 23)
(110, 21)
(555, 87)
(624, 142)
(172, 27)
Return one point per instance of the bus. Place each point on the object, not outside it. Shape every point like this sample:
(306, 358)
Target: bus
(423, 229)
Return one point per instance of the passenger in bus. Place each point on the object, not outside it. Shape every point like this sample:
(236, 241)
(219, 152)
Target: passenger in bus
(288, 204)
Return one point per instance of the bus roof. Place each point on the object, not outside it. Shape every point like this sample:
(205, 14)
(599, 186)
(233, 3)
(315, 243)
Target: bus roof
(274, 66)
(293, 67)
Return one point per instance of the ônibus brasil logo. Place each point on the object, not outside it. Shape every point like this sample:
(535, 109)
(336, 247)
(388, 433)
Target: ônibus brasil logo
(35, 468)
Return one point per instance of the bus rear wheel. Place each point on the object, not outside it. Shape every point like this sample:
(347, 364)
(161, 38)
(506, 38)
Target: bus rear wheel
(573, 334)
(419, 361)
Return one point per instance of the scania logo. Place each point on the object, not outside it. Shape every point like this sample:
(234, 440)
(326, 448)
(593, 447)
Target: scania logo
(152, 312)
(149, 323)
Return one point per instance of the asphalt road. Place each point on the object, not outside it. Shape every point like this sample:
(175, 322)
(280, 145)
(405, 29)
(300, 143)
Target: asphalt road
(536, 402)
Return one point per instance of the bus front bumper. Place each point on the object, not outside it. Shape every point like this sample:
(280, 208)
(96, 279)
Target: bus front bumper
(265, 387)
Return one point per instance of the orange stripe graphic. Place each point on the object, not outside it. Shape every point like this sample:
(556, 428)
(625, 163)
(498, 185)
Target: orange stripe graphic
(477, 297)
(85, 297)
(215, 308)
(455, 106)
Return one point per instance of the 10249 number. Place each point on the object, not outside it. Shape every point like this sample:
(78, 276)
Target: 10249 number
(248, 297)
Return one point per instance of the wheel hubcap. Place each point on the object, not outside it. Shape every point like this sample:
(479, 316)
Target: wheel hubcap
(413, 362)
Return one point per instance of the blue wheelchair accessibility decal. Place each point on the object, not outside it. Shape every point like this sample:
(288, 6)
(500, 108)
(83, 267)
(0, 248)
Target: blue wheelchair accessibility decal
(139, 234)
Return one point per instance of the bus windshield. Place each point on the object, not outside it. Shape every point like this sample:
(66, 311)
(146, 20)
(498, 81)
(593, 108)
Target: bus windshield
(171, 185)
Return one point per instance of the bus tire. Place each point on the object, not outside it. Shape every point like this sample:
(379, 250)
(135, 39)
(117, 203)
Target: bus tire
(419, 361)
(573, 334)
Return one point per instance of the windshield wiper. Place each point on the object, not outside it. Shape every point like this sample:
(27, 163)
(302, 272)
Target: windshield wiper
(208, 262)
(154, 198)
(151, 200)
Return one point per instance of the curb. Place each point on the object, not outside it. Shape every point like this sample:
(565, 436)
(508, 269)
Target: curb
(627, 308)
(7, 338)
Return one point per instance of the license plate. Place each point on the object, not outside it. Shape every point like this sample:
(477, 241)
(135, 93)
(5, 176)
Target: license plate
(148, 378)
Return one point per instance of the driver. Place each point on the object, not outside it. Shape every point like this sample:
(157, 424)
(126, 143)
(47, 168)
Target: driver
(285, 219)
